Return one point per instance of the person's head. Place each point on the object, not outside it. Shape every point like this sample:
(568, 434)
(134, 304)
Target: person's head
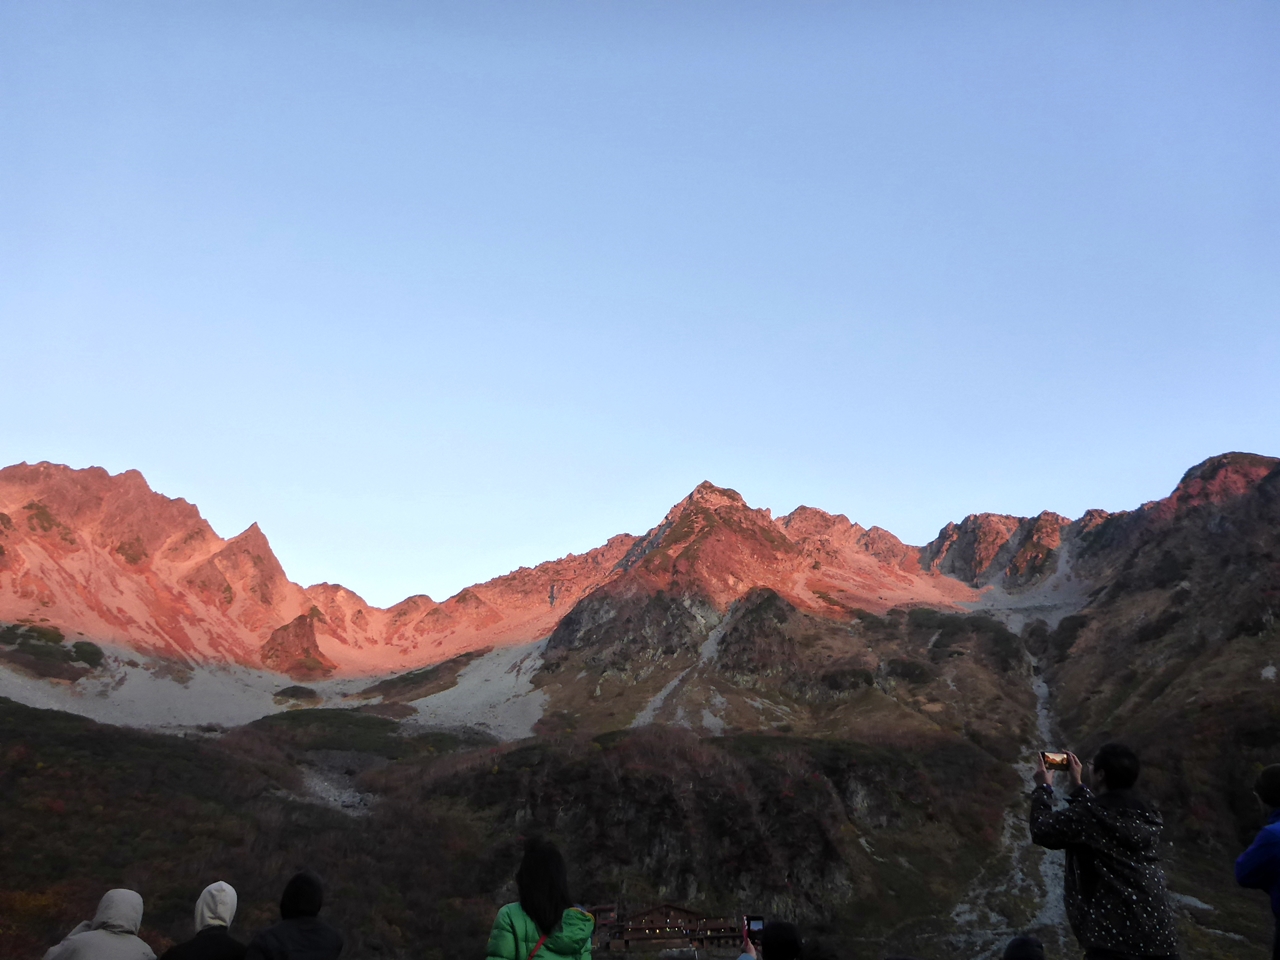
(119, 911)
(1023, 948)
(303, 896)
(543, 883)
(780, 941)
(216, 906)
(1115, 767)
(1267, 786)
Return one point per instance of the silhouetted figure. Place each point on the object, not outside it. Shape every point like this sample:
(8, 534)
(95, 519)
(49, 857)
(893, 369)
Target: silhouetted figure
(1023, 948)
(1259, 866)
(544, 923)
(1115, 889)
(112, 934)
(300, 934)
(215, 910)
(778, 941)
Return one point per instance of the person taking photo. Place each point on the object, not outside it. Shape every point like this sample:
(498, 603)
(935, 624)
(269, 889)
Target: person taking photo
(1115, 890)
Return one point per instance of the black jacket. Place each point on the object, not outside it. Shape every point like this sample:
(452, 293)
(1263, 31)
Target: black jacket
(301, 938)
(211, 943)
(1115, 890)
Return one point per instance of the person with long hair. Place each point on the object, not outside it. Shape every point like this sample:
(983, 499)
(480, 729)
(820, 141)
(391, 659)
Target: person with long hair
(543, 924)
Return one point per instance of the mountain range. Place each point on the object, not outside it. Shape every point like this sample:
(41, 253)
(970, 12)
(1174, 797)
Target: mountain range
(796, 713)
(104, 557)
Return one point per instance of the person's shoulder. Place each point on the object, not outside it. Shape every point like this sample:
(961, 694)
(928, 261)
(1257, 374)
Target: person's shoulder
(268, 936)
(577, 917)
(328, 931)
(266, 933)
(511, 913)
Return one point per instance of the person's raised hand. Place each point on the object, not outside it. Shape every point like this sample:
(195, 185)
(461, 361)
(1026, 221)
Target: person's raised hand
(1041, 776)
(1075, 769)
(748, 947)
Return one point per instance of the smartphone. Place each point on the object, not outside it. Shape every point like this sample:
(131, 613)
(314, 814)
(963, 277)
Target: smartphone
(1054, 760)
(754, 926)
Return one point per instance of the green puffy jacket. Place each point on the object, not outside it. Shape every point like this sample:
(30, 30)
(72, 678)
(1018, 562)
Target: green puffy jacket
(515, 935)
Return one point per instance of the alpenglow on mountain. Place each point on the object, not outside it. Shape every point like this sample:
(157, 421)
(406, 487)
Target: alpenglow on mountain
(106, 558)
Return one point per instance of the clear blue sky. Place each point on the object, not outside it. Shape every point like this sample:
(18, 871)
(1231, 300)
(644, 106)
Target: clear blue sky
(435, 290)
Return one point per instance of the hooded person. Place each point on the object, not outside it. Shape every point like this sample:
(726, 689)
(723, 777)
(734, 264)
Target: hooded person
(300, 934)
(215, 910)
(112, 934)
(543, 924)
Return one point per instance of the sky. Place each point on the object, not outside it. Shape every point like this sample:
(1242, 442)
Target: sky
(432, 291)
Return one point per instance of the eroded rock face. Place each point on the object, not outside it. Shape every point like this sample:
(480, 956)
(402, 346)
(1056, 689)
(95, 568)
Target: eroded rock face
(969, 550)
(106, 557)
(989, 548)
(292, 649)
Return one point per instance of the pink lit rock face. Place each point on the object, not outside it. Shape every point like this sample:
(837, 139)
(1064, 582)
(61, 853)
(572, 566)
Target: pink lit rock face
(714, 547)
(106, 557)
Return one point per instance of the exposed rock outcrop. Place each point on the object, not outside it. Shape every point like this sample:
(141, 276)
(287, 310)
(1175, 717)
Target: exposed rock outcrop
(292, 649)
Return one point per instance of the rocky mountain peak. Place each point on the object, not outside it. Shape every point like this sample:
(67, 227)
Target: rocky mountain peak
(988, 547)
(1221, 478)
(811, 523)
(707, 494)
(968, 550)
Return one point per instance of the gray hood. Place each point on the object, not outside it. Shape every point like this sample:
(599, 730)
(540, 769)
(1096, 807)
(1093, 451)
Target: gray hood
(119, 911)
(216, 906)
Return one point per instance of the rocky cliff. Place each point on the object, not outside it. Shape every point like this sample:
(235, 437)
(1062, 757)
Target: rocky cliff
(106, 558)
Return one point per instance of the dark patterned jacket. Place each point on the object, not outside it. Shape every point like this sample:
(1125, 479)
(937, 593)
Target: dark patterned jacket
(1115, 889)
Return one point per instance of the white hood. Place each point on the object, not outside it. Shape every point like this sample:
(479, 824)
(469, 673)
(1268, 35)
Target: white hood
(216, 906)
(119, 911)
